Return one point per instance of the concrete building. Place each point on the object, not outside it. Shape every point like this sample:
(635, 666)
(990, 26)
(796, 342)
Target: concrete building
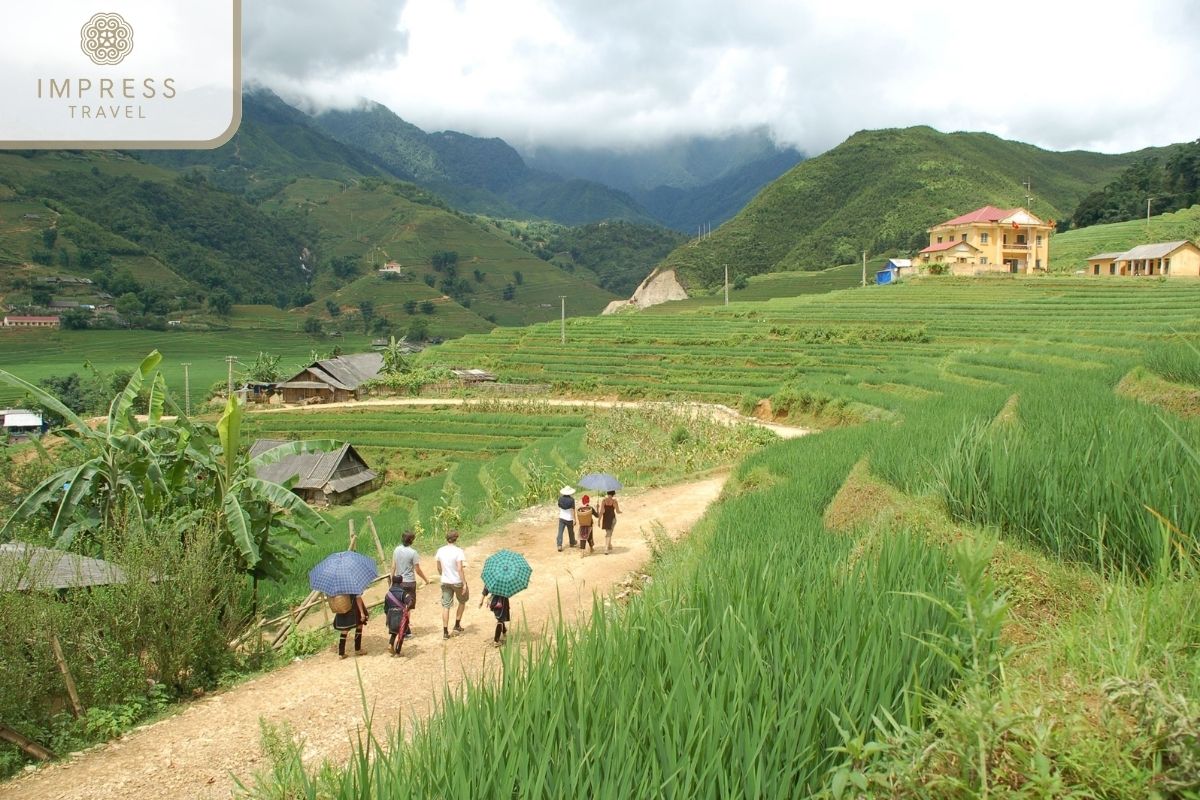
(12, 321)
(990, 239)
(1161, 259)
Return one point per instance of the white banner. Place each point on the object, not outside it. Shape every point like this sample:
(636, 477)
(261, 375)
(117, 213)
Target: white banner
(121, 73)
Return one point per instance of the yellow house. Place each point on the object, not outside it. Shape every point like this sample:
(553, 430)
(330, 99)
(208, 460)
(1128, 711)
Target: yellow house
(1176, 259)
(990, 239)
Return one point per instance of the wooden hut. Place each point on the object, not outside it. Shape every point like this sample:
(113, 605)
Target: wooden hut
(334, 477)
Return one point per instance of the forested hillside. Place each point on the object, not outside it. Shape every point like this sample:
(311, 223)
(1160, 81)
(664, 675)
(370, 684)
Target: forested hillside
(879, 191)
(484, 176)
(1167, 181)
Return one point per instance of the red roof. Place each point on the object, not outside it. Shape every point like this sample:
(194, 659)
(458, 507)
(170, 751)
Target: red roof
(985, 214)
(937, 248)
(31, 319)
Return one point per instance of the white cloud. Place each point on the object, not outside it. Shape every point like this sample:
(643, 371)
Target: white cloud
(1062, 75)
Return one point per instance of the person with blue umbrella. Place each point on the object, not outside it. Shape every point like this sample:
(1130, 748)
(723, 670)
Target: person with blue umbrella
(343, 577)
(609, 506)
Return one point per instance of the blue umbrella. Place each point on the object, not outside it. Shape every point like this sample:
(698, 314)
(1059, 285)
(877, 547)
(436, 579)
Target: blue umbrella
(346, 572)
(600, 482)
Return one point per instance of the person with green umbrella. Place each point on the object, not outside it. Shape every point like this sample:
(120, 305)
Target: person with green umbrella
(504, 574)
(500, 607)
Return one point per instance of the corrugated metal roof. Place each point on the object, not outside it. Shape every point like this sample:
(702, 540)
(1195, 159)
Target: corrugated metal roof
(1157, 250)
(311, 470)
(338, 485)
(24, 567)
(343, 372)
(22, 420)
(1104, 256)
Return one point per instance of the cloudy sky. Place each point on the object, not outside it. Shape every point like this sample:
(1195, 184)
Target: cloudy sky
(1062, 74)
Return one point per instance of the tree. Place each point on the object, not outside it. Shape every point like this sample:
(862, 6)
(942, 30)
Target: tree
(344, 267)
(418, 330)
(429, 280)
(76, 319)
(366, 308)
(265, 368)
(427, 307)
(444, 260)
(42, 296)
(333, 308)
(518, 277)
(479, 274)
(509, 291)
(220, 302)
(129, 305)
(410, 306)
(312, 326)
(395, 359)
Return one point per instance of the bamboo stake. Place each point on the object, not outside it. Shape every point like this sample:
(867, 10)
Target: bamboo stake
(353, 536)
(76, 706)
(295, 615)
(28, 745)
(378, 544)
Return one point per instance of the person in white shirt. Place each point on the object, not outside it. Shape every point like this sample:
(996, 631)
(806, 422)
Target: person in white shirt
(566, 515)
(452, 566)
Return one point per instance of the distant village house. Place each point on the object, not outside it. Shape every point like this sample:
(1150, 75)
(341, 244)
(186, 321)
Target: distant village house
(11, 321)
(319, 478)
(332, 380)
(990, 239)
(20, 423)
(1177, 259)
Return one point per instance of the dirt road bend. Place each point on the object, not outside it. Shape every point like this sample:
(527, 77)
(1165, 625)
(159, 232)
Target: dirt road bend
(195, 752)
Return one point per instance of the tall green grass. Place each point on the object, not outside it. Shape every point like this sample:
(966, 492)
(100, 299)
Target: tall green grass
(1175, 359)
(1078, 475)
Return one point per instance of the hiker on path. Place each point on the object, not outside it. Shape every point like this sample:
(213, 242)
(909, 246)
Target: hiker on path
(566, 515)
(406, 566)
(499, 607)
(609, 508)
(452, 566)
(585, 515)
(349, 612)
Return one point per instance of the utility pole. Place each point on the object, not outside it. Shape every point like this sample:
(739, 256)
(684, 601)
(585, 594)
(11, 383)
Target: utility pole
(864, 279)
(726, 284)
(187, 390)
(1148, 199)
(563, 323)
(229, 384)
(1028, 184)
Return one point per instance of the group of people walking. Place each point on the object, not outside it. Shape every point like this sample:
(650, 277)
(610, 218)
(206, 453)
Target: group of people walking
(351, 613)
(585, 516)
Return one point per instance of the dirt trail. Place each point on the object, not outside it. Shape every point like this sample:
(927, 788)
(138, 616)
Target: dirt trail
(714, 411)
(195, 752)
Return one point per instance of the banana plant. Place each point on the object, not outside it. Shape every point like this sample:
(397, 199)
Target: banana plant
(121, 474)
(260, 516)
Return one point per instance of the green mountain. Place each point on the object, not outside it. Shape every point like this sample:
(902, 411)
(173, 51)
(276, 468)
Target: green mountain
(616, 254)
(274, 144)
(682, 183)
(133, 227)
(713, 203)
(879, 191)
(1169, 180)
(483, 176)
(474, 273)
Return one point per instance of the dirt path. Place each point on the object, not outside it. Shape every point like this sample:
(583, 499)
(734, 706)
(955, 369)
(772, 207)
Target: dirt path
(714, 411)
(196, 752)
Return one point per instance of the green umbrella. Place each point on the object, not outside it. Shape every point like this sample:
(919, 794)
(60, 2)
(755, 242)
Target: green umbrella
(505, 573)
